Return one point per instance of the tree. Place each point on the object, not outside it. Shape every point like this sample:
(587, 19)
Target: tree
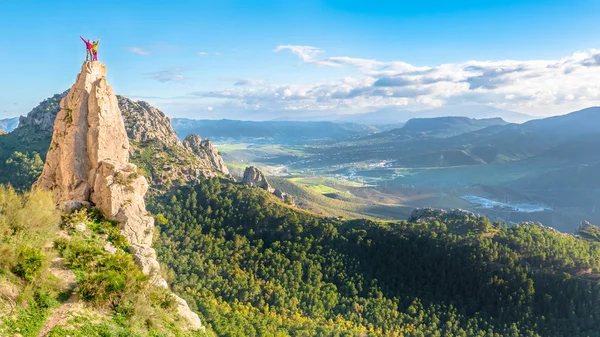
(23, 169)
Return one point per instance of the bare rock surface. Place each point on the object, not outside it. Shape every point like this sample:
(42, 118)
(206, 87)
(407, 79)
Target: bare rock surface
(254, 177)
(206, 151)
(88, 163)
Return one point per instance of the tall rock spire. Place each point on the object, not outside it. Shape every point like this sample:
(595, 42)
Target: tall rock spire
(88, 129)
(88, 163)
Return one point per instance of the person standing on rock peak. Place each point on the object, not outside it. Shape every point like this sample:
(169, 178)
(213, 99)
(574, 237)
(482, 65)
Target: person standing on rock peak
(88, 49)
(95, 49)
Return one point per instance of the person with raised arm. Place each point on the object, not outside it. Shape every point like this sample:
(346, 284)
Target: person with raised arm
(88, 48)
(95, 50)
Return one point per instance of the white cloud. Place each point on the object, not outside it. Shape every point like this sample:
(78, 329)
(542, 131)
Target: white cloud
(217, 53)
(533, 86)
(202, 53)
(137, 50)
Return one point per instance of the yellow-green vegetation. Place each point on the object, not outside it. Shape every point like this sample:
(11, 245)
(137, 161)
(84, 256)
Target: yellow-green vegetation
(239, 166)
(27, 292)
(333, 197)
(231, 147)
(315, 201)
(56, 276)
(324, 185)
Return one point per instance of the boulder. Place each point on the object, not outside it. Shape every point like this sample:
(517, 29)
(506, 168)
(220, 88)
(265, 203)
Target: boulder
(185, 312)
(284, 196)
(110, 248)
(253, 177)
(71, 206)
(80, 227)
(119, 193)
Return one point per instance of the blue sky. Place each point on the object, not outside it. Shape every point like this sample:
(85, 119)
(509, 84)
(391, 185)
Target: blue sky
(265, 59)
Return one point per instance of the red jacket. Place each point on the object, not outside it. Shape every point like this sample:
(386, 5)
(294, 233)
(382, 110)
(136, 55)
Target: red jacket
(88, 45)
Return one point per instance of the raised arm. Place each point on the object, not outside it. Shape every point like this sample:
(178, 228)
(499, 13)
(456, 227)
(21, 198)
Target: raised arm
(82, 39)
(98, 42)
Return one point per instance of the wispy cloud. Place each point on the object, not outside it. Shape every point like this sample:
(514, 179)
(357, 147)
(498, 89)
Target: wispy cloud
(173, 74)
(137, 50)
(202, 53)
(217, 53)
(306, 53)
(248, 82)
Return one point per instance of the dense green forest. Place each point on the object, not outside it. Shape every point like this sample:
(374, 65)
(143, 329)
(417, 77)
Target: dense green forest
(254, 267)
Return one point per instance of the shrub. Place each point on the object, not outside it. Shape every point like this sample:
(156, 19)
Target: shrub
(29, 262)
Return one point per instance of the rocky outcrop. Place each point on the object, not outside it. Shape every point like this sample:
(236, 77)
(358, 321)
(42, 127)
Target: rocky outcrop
(586, 225)
(206, 151)
(39, 122)
(153, 144)
(2, 132)
(145, 123)
(253, 177)
(284, 196)
(155, 147)
(88, 162)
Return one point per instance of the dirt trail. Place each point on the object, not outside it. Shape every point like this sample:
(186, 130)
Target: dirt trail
(60, 315)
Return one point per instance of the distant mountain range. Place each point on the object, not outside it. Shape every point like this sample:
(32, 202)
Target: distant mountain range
(396, 115)
(452, 141)
(440, 127)
(9, 124)
(271, 132)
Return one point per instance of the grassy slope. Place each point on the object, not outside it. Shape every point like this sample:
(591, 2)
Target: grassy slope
(339, 198)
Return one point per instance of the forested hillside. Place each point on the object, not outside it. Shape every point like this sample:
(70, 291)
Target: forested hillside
(254, 267)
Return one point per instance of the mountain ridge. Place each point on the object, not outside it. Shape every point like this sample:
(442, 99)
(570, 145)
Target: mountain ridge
(9, 124)
(396, 115)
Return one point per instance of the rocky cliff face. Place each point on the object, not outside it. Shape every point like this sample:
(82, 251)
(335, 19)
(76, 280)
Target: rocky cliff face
(154, 146)
(88, 162)
(40, 121)
(146, 123)
(206, 151)
(253, 177)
